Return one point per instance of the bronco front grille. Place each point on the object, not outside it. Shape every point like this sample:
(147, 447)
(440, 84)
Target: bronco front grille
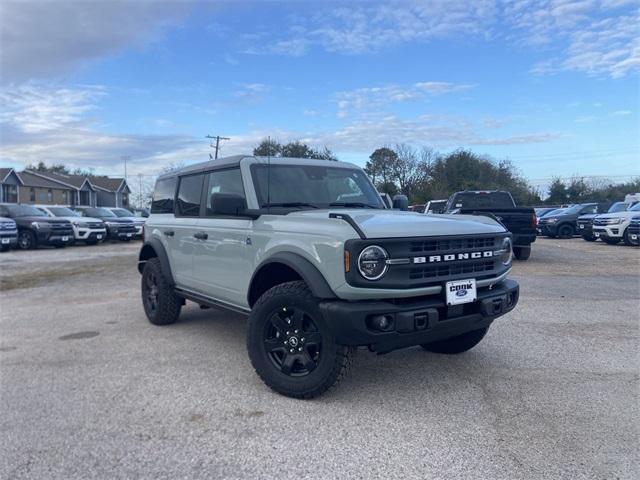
(430, 261)
(451, 244)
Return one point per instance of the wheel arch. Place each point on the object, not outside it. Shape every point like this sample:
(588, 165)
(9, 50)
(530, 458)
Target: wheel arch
(285, 267)
(154, 249)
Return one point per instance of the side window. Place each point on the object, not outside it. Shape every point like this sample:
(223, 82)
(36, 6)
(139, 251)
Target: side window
(189, 194)
(163, 196)
(590, 209)
(224, 181)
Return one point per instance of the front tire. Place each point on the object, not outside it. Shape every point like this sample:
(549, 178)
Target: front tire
(522, 253)
(26, 240)
(627, 239)
(566, 231)
(161, 304)
(459, 344)
(290, 346)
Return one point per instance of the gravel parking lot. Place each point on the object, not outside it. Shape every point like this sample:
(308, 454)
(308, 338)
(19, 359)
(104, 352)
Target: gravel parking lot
(89, 389)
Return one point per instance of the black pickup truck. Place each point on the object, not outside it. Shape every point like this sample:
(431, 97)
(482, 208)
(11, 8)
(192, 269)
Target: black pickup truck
(520, 221)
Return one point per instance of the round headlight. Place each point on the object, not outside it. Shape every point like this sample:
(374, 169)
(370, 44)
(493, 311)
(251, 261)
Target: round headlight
(372, 262)
(505, 255)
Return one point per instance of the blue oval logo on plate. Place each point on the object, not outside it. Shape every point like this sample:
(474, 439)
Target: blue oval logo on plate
(461, 293)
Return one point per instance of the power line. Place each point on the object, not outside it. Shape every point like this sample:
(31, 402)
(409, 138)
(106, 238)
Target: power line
(217, 145)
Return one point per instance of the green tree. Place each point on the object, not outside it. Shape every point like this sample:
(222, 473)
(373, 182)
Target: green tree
(557, 192)
(381, 165)
(295, 149)
(53, 168)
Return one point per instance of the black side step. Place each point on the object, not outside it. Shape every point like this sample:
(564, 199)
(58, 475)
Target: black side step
(209, 302)
(347, 218)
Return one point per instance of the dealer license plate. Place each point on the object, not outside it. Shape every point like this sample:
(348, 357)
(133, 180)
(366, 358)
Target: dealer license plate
(461, 291)
(597, 235)
(633, 237)
(128, 235)
(65, 239)
(5, 241)
(99, 237)
(581, 226)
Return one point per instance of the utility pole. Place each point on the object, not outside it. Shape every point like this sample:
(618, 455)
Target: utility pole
(124, 158)
(217, 145)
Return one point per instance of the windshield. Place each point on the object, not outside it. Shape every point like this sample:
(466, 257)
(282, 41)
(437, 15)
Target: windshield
(63, 212)
(618, 207)
(122, 212)
(557, 211)
(635, 208)
(97, 212)
(574, 209)
(469, 200)
(311, 186)
(25, 211)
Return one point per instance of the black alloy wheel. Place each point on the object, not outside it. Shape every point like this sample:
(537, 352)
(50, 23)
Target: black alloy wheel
(292, 341)
(565, 231)
(151, 293)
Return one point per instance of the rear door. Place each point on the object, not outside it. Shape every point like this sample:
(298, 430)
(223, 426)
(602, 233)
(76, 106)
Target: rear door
(220, 262)
(184, 227)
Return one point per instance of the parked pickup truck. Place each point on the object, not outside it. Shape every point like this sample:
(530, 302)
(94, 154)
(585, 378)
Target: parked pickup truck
(520, 221)
(309, 252)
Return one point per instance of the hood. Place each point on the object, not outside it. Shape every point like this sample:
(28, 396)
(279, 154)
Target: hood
(135, 219)
(588, 216)
(626, 214)
(394, 223)
(116, 220)
(79, 219)
(40, 219)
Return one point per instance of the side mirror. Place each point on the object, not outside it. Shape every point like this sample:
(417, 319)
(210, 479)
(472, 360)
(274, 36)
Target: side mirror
(401, 202)
(227, 204)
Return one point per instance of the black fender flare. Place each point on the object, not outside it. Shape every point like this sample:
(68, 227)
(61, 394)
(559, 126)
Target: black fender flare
(304, 268)
(155, 245)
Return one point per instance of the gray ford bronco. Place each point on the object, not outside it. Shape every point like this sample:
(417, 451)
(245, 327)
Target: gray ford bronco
(308, 250)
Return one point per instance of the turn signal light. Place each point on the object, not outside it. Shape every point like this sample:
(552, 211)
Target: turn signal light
(347, 261)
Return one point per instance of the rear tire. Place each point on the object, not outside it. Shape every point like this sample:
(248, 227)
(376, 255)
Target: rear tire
(161, 304)
(590, 238)
(290, 346)
(610, 241)
(459, 344)
(522, 253)
(566, 231)
(26, 240)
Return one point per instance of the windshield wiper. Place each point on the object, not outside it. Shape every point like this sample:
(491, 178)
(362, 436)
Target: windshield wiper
(352, 205)
(289, 204)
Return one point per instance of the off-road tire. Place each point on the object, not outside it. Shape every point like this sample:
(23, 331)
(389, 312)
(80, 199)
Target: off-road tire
(590, 238)
(522, 253)
(167, 303)
(610, 241)
(458, 344)
(333, 360)
(566, 231)
(27, 240)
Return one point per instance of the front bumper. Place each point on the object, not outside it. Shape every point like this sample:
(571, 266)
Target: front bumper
(9, 238)
(90, 233)
(610, 231)
(547, 229)
(416, 322)
(585, 229)
(55, 238)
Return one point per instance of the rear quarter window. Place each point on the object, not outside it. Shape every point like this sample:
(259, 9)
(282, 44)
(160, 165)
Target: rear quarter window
(163, 195)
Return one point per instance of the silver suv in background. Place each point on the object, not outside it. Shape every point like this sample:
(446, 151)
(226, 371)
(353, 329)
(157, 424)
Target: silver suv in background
(309, 252)
(138, 220)
(85, 229)
(8, 234)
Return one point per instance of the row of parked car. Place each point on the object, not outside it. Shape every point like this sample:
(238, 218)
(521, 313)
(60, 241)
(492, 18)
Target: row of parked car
(30, 226)
(611, 223)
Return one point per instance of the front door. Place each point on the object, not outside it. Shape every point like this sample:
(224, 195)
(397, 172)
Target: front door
(220, 260)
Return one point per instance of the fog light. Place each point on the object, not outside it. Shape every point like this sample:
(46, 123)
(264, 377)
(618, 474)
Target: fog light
(382, 323)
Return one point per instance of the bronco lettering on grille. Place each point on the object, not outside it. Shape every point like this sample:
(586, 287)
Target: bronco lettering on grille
(452, 257)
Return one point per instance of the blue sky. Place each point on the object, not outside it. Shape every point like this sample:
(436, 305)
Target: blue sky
(551, 85)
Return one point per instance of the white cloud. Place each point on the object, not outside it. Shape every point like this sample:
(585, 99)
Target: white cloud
(44, 38)
(368, 98)
(621, 113)
(585, 119)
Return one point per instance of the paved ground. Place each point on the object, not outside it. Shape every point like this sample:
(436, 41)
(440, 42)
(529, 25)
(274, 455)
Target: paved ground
(89, 389)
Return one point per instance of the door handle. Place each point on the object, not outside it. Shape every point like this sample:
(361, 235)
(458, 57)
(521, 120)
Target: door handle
(169, 233)
(200, 235)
